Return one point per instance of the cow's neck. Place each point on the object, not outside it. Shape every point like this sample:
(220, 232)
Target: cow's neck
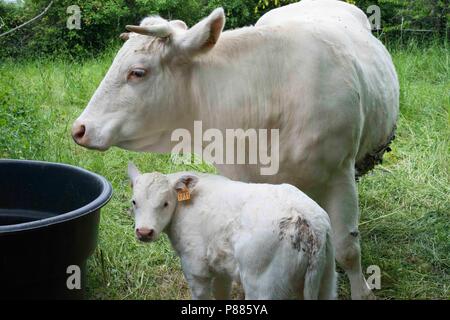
(232, 86)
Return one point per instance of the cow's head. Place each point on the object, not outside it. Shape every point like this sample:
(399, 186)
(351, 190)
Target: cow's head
(144, 95)
(155, 200)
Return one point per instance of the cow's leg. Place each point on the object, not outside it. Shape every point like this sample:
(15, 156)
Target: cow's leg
(340, 200)
(222, 288)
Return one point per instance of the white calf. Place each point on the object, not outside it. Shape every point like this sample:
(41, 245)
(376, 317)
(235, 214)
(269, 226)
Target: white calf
(272, 239)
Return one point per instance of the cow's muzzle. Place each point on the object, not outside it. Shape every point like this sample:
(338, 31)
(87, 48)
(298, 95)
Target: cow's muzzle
(80, 134)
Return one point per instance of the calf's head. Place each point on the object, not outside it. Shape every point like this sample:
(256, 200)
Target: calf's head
(145, 94)
(155, 201)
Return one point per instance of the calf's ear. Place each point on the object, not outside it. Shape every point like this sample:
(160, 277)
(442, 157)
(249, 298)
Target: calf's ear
(204, 35)
(186, 182)
(133, 173)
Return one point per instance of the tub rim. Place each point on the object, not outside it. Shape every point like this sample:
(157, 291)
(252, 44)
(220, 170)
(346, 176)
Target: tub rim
(100, 201)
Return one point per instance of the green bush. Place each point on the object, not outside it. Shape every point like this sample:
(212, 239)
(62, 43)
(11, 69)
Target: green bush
(103, 20)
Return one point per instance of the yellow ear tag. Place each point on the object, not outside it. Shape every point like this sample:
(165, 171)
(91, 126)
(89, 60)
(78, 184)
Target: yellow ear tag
(184, 195)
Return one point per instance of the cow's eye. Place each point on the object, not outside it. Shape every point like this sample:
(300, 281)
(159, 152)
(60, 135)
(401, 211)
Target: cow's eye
(137, 73)
(166, 204)
(133, 202)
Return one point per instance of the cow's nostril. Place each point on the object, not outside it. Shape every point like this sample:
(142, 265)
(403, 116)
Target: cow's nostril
(79, 132)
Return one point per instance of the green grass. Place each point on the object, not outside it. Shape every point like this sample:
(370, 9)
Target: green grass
(405, 207)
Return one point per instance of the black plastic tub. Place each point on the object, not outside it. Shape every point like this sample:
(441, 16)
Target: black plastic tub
(49, 217)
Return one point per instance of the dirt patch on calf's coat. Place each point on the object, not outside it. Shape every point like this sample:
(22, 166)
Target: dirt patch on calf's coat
(301, 234)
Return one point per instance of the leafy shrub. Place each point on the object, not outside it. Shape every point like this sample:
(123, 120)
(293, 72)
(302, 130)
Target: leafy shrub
(103, 20)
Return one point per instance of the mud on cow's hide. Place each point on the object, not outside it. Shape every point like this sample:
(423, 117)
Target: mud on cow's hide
(375, 158)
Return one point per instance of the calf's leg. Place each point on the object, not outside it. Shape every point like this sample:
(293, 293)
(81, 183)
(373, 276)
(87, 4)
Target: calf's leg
(222, 288)
(197, 276)
(201, 288)
(328, 283)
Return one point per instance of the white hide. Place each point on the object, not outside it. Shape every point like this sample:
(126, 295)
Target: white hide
(272, 239)
(312, 69)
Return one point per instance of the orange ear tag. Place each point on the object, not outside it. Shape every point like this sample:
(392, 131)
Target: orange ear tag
(184, 195)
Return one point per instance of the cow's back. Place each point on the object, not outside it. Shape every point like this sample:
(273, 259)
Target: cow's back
(342, 31)
(310, 9)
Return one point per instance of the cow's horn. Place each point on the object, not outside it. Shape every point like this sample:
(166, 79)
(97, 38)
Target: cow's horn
(159, 30)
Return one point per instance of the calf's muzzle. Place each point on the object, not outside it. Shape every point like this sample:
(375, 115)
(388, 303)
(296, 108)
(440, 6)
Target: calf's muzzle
(144, 234)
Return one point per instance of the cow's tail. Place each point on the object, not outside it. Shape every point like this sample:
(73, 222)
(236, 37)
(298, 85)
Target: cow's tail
(320, 279)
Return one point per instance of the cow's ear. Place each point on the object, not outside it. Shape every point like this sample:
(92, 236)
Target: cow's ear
(179, 24)
(186, 182)
(133, 173)
(125, 36)
(204, 35)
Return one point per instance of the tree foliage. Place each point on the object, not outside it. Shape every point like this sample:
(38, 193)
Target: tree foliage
(396, 14)
(103, 20)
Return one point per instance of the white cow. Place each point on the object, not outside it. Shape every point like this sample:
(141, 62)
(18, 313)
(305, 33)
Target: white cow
(311, 69)
(271, 238)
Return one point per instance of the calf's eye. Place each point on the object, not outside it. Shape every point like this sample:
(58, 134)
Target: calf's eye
(166, 204)
(133, 202)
